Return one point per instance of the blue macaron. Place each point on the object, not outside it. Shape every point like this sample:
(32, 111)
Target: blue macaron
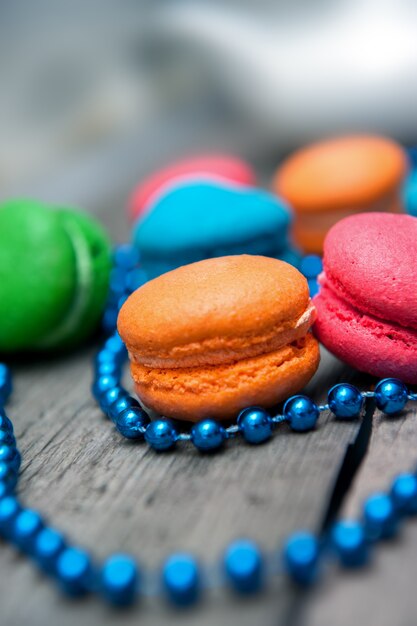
(410, 193)
(201, 220)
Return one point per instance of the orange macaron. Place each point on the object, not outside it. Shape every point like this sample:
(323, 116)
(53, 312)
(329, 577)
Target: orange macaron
(211, 338)
(329, 180)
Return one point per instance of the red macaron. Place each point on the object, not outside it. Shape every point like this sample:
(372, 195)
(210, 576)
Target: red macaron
(221, 168)
(367, 304)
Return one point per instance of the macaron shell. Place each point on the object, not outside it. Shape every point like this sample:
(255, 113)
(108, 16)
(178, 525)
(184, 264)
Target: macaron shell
(310, 229)
(370, 260)
(341, 173)
(363, 341)
(33, 297)
(92, 258)
(213, 311)
(221, 392)
(218, 166)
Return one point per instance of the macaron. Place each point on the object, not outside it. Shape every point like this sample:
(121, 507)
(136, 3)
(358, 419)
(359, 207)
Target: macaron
(410, 193)
(211, 338)
(54, 274)
(209, 167)
(329, 180)
(367, 304)
(201, 220)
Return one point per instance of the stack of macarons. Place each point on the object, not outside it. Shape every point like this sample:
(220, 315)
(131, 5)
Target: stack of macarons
(216, 168)
(201, 220)
(54, 275)
(184, 217)
(331, 179)
(211, 338)
(367, 305)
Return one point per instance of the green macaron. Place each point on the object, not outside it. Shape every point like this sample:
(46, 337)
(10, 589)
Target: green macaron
(54, 274)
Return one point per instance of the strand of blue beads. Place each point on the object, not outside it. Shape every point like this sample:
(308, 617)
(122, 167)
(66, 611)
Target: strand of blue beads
(243, 567)
(125, 277)
(255, 424)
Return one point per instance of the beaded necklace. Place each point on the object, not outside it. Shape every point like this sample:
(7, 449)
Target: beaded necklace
(243, 567)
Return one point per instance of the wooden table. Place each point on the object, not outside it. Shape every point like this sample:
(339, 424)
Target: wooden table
(111, 495)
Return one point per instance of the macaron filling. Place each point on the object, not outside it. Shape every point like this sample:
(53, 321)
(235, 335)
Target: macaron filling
(265, 379)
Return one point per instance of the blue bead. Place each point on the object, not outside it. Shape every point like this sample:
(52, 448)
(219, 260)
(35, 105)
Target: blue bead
(5, 383)
(109, 319)
(117, 281)
(404, 494)
(7, 438)
(121, 301)
(103, 384)
(350, 544)
(311, 265)
(244, 567)
(7, 453)
(126, 256)
(110, 397)
(9, 510)
(105, 356)
(74, 571)
(313, 287)
(208, 435)
(301, 412)
(391, 396)
(123, 403)
(8, 473)
(345, 401)
(26, 528)
(6, 489)
(255, 424)
(108, 368)
(47, 547)
(5, 423)
(135, 279)
(16, 462)
(379, 517)
(291, 256)
(161, 435)
(301, 555)
(181, 579)
(132, 423)
(119, 580)
(10, 456)
(115, 345)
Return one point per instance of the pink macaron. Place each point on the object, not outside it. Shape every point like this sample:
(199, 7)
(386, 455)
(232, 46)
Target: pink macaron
(222, 168)
(367, 304)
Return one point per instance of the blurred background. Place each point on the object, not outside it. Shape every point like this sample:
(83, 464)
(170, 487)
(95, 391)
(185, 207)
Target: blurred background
(97, 93)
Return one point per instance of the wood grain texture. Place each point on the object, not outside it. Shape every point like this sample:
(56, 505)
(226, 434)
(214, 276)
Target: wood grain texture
(111, 495)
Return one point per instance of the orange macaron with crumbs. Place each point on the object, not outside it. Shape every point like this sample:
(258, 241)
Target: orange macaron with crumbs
(211, 338)
(331, 179)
